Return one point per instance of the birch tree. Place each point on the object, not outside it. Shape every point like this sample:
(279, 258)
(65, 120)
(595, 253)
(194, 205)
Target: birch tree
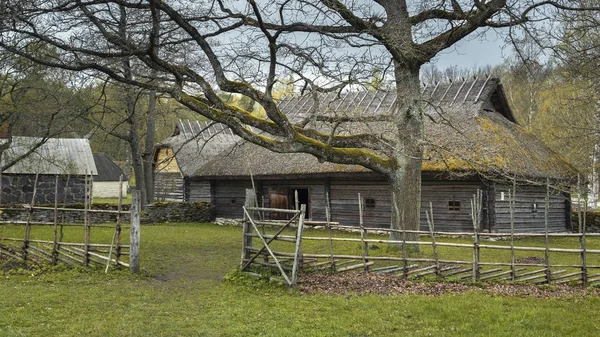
(198, 49)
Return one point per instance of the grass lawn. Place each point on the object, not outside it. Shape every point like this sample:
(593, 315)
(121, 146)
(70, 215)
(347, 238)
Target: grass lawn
(115, 201)
(180, 293)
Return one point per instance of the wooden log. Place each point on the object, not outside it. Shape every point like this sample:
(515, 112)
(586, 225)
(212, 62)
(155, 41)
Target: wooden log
(398, 269)
(492, 276)
(384, 268)
(561, 277)
(414, 271)
(457, 272)
(356, 266)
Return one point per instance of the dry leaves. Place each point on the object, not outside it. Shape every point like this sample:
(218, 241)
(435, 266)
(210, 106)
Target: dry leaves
(371, 283)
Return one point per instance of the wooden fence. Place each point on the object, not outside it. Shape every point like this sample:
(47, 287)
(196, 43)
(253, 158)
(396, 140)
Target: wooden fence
(55, 249)
(474, 256)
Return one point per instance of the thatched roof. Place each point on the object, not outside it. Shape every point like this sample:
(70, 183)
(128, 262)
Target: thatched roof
(194, 143)
(54, 156)
(469, 128)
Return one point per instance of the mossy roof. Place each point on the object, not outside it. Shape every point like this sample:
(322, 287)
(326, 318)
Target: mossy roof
(469, 129)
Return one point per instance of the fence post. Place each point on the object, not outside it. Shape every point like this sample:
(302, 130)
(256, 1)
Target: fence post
(583, 246)
(55, 227)
(247, 229)
(363, 235)
(298, 252)
(134, 235)
(546, 239)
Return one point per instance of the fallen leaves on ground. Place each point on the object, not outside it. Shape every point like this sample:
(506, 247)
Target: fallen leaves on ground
(371, 283)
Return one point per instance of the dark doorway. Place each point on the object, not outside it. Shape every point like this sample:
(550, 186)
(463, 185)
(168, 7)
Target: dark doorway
(303, 199)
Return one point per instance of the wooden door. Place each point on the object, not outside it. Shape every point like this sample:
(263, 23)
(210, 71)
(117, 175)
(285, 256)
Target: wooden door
(278, 198)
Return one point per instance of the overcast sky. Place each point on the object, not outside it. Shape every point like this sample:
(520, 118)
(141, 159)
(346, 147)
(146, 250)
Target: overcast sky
(476, 53)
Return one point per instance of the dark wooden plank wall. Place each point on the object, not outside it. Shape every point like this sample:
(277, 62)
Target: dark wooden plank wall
(230, 197)
(199, 191)
(344, 202)
(525, 219)
(440, 193)
(169, 187)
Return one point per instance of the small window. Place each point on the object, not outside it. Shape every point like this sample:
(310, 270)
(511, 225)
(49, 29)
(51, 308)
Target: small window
(233, 201)
(370, 203)
(534, 208)
(454, 205)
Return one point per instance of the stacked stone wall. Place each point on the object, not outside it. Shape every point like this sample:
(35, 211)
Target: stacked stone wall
(18, 189)
(155, 213)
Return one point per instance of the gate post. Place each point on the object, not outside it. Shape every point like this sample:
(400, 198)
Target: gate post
(134, 235)
(247, 228)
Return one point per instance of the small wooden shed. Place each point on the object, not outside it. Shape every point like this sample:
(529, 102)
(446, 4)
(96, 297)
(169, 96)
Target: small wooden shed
(69, 159)
(473, 143)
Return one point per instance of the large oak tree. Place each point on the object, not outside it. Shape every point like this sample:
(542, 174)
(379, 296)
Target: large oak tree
(196, 49)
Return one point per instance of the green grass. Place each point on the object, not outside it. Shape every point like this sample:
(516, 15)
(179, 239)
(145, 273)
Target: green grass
(113, 201)
(180, 293)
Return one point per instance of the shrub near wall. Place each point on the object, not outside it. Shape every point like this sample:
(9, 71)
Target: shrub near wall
(592, 221)
(155, 213)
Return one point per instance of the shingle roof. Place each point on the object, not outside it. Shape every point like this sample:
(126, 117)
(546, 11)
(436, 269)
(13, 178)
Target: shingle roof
(107, 169)
(469, 127)
(55, 156)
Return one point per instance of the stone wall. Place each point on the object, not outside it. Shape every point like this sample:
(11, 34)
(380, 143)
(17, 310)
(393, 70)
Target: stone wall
(155, 213)
(592, 221)
(18, 188)
(179, 212)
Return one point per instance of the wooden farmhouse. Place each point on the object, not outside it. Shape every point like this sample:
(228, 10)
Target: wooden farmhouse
(108, 180)
(473, 142)
(69, 160)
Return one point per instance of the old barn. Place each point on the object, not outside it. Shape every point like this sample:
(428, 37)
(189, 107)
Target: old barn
(69, 159)
(473, 143)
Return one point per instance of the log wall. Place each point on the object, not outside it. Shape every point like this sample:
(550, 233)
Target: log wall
(199, 191)
(451, 202)
(229, 198)
(169, 187)
(526, 219)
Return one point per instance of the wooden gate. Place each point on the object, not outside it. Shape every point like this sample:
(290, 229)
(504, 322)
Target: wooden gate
(281, 263)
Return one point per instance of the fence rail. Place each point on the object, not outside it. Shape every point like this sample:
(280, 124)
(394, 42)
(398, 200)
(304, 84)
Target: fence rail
(31, 248)
(477, 255)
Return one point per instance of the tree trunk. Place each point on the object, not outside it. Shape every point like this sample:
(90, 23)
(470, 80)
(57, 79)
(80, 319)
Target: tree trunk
(405, 181)
(138, 166)
(150, 135)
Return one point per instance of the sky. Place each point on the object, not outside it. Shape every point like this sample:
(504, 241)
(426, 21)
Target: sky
(489, 49)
